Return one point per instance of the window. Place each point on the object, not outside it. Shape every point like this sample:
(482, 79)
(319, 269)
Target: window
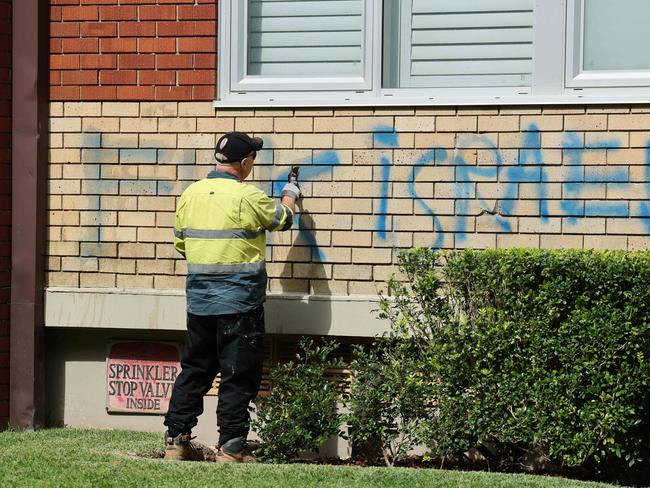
(423, 52)
(608, 43)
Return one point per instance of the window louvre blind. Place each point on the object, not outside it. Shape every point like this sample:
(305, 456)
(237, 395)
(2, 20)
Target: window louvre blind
(305, 38)
(466, 43)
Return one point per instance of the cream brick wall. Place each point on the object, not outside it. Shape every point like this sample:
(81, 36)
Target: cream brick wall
(375, 180)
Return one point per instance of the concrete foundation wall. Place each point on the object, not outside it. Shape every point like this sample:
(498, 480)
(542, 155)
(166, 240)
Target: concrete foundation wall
(76, 386)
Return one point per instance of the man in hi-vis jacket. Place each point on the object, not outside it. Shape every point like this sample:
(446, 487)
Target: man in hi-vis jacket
(220, 228)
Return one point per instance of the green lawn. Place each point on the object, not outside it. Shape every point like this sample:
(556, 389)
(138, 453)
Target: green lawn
(73, 457)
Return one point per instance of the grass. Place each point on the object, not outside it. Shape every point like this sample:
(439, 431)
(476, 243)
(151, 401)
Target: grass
(98, 458)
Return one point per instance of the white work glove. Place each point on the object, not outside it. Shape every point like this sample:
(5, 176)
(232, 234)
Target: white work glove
(291, 188)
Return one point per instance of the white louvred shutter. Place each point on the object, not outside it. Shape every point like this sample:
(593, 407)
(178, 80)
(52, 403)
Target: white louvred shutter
(293, 45)
(466, 43)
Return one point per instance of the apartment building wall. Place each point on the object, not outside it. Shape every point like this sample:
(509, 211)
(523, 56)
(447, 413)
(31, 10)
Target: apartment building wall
(133, 123)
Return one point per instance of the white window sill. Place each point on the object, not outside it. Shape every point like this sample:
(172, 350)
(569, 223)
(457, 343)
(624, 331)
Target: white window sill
(348, 99)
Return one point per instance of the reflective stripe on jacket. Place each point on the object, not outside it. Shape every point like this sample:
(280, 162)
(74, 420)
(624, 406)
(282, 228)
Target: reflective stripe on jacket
(220, 228)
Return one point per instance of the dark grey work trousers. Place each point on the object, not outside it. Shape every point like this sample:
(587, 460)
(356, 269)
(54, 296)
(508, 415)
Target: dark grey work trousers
(232, 345)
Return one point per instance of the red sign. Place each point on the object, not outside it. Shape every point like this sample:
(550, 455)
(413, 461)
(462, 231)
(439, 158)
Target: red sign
(140, 376)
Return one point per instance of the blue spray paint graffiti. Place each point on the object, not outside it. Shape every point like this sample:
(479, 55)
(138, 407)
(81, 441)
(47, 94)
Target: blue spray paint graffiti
(584, 188)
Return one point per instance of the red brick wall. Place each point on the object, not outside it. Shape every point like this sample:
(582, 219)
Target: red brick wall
(5, 204)
(132, 49)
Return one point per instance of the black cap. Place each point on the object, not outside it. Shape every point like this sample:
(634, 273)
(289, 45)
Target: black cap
(232, 147)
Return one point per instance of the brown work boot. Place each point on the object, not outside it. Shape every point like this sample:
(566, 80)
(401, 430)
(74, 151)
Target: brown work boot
(181, 448)
(234, 451)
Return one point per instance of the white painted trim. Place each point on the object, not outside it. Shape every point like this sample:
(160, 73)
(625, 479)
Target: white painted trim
(548, 48)
(150, 309)
(579, 96)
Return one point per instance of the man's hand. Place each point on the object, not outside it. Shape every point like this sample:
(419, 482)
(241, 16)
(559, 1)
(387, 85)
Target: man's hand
(291, 188)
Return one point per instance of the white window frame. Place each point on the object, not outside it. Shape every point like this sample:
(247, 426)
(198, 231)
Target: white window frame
(576, 76)
(234, 28)
(554, 49)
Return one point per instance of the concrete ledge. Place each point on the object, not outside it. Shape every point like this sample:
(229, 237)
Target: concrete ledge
(149, 309)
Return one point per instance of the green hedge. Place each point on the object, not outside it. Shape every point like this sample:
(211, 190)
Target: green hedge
(530, 351)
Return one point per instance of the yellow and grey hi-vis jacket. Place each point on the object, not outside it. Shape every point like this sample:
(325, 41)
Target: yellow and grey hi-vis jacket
(220, 228)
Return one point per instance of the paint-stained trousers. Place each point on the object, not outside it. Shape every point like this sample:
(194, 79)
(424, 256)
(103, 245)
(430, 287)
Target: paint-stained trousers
(232, 345)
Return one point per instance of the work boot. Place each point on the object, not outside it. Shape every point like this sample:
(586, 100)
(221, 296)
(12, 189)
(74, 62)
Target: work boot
(181, 448)
(234, 451)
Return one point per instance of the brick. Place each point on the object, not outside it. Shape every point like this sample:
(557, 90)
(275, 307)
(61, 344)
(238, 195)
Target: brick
(543, 123)
(137, 29)
(122, 77)
(119, 234)
(583, 226)
(605, 242)
(415, 124)
(505, 241)
(119, 45)
(99, 29)
(55, 79)
(157, 12)
(136, 61)
(197, 109)
(134, 281)
(118, 13)
(333, 124)
(353, 141)
(98, 92)
(122, 266)
(174, 61)
(80, 171)
(80, 45)
(119, 171)
(79, 13)
(314, 141)
(119, 202)
(64, 62)
(135, 92)
(585, 122)
(69, 124)
(157, 141)
(98, 61)
(456, 124)
(80, 202)
(205, 61)
(154, 235)
(205, 92)
(627, 226)
(196, 141)
(136, 250)
(98, 218)
(173, 282)
(165, 77)
(560, 242)
(197, 12)
(197, 77)
(63, 279)
(196, 44)
(63, 248)
(67, 29)
(156, 45)
(173, 93)
(139, 125)
(638, 243)
(629, 122)
(82, 109)
(371, 256)
(159, 109)
(99, 280)
(81, 77)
